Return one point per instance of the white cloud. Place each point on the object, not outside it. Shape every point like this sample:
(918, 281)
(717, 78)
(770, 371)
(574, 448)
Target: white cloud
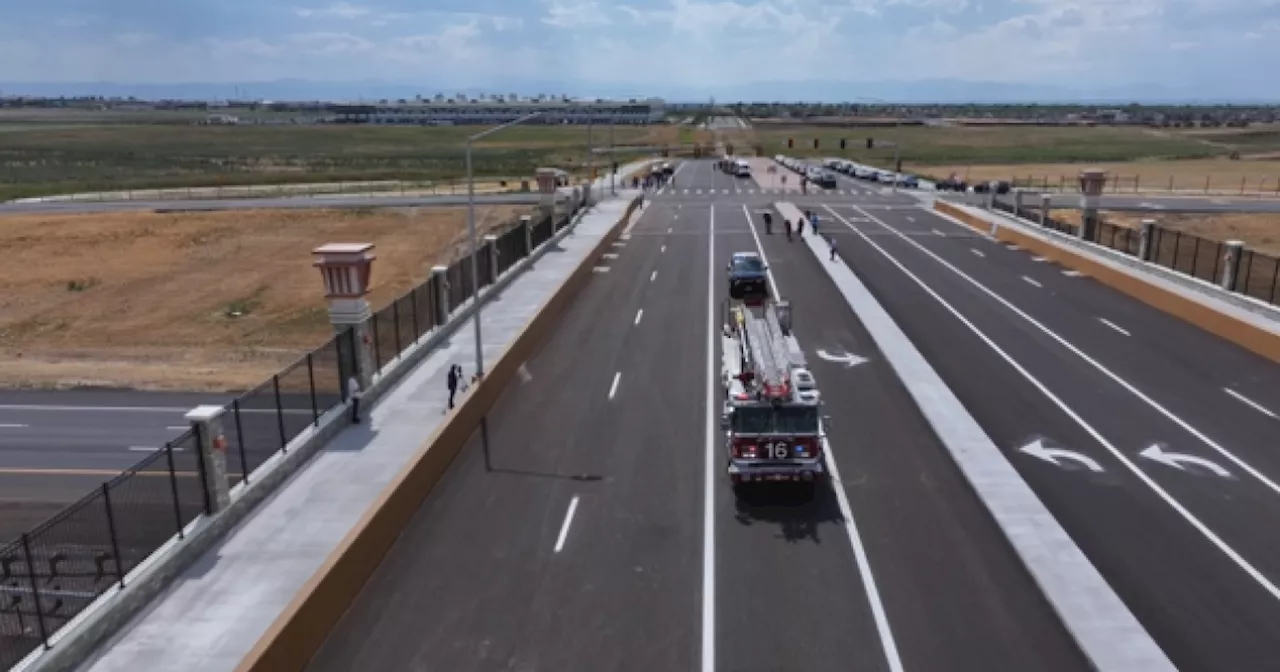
(575, 14)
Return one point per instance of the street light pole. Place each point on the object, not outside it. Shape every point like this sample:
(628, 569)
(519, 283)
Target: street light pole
(613, 160)
(471, 231)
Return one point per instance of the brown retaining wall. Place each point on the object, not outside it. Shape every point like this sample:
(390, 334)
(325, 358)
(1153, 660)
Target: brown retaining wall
(297, 634)
(1245, 334)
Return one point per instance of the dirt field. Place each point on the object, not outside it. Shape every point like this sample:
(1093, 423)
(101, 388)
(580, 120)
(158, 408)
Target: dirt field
(1218, 175)
(199, 301)
(1259, 231)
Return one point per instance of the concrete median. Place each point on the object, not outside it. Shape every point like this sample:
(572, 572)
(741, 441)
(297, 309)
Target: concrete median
(304, 625)
(1237, 329)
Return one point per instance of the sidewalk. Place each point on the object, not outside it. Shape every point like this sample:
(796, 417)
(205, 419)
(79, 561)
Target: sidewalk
(760, 173)
(210, 618)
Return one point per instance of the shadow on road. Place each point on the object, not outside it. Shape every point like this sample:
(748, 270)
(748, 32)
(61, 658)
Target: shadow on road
(797, 509)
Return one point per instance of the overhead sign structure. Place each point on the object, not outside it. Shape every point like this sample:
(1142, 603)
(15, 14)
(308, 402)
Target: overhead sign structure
(849, 359)
(1156, 453)
(1055, 456)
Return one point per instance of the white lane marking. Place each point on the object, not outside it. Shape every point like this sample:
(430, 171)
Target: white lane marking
(664, 249)
(675, 216)
(600, 269)
(709, 469)
(568, 520)
(653, 276)
(1071, 273)
(17, 426)
(1013, 247)
(132, 409)
(1249, 402)
(609, 255)
(1113, 325)
(1032, 282)
(878, 613)
(1070, 413)
(937, 232)
(613, 389)
(977, 252)
(619, 243)
(1039, 259)
(152, 449)
(639, 314)
(910, 218)
(1128, 387)
(668, 229)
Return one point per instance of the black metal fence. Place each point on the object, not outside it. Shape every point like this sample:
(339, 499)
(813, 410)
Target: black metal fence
(53, 572)
(1257, 275)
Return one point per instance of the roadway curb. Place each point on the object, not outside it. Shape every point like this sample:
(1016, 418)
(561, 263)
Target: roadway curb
(82, 638)
(305, 624)
(1242, 332)
(1096, 619)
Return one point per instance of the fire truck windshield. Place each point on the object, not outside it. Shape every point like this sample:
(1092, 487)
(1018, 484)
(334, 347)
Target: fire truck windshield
(770, 420)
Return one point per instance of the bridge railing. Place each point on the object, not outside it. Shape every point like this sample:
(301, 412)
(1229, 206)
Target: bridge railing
(51, 573)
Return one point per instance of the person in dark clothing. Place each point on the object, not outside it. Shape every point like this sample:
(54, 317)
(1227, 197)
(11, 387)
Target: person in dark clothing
(787, 224)
(454, 375)
(354, 393)
(768, 224)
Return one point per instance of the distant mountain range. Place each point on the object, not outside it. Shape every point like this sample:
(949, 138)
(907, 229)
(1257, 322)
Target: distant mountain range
(947, 91)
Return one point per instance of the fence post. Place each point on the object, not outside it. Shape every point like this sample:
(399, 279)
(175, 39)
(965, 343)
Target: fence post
(244, 459)
(173, 487)
(413, 312)
(377, 343)
(440, 283)
(491, 249)
(284, 436)
(1017, 202)
(1145, 236)
(311, 380)
(1231, 263)
(35, 589)
(212, 443)
(395, 323)
(526, 223)
(1046, 202)
(111, 530)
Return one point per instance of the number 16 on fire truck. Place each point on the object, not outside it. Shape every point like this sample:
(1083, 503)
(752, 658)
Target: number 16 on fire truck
(772, 409)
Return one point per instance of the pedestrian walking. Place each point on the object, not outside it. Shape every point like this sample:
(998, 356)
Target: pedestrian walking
(455, 372)
(831, 240)
(813, 223)
(787, 224)
(768, 224)
(355, 394)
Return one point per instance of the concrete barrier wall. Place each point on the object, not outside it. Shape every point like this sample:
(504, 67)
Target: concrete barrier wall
(297, 634)
(1245, 334)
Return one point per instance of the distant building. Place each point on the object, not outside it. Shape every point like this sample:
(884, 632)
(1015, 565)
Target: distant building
(498, 110)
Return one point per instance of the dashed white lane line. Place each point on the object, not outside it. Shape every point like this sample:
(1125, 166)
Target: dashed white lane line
(639, 314)
(1031, 282)
(653, 276)
(937, 232)
(179, 428)
(669, 229)
(1251, 403)
(568, 520)
(1039, 259)
(977, 252)
(1070, 273)
(663, 250)
(1113, 325)
(8, 425)
(613, 389)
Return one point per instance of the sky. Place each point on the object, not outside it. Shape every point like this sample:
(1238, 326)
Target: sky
(656, 46)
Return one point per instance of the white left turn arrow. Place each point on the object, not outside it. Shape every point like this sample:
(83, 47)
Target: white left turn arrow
(1176, 460)
(849, 359)
(1051, 455)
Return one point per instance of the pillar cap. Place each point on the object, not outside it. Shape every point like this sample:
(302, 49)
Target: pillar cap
(439, 269)
(204, 413)
(490, 237)
(1235, 243)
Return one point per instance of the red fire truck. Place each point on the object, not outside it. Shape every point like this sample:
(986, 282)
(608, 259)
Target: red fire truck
(772, 416)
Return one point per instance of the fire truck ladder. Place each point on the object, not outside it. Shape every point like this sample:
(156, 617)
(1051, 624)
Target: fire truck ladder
(767, 345)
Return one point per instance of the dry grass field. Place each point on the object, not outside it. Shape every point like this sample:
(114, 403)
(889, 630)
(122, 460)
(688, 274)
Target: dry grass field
(193, 301)
(1215, 175)
(1259, 231)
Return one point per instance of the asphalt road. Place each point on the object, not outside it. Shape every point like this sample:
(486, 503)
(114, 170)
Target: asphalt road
(293, 202)
(1169, 482)
(57, 446)
(584, 527)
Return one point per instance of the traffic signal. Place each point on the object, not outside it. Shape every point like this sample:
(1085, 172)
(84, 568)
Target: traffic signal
(791, 143)
(841, 143)
(815, 143)
(870, 143)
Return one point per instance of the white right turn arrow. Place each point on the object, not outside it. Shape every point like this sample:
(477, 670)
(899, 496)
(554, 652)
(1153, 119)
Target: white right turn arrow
(1037, 449)
(849, 359)
(1157, 454)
